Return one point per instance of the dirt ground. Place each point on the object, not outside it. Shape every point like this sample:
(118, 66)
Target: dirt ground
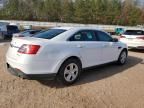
(109, 86)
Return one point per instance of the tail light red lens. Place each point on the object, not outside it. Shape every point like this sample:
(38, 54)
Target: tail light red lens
(142, 37)
(29, 49)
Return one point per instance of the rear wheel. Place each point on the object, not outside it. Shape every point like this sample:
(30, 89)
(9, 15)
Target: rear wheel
(122, 58)
(70, 71)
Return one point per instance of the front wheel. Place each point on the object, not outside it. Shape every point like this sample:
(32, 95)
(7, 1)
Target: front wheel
(70, 71)
(122, 58)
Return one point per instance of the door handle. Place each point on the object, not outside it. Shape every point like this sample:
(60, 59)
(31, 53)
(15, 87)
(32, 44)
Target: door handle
(80, 46)
(105, 45)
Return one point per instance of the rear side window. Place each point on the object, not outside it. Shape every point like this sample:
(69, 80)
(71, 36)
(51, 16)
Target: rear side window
(49, 34)
(134, 32)
(102, 36)
(85, 35)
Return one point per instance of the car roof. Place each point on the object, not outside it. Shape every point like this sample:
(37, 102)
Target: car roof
(65, 28)
(77, 28)
(70, 31)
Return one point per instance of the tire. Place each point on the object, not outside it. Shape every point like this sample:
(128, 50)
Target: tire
(70, 71)
(122, 58)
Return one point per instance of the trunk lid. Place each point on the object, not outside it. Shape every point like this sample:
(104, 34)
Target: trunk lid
(16, 43)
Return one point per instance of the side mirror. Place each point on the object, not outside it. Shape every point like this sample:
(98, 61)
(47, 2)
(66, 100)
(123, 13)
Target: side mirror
(115, 40)
(77, 36)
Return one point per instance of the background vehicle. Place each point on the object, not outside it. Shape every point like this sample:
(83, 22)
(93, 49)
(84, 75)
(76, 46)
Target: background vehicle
(119, 31)
(6, 31)
(133, 38)
(26, 33)
(63, 52)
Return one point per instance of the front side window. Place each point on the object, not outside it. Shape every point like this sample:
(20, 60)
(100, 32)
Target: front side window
(85, 35)
(102, 36)
(49, 34)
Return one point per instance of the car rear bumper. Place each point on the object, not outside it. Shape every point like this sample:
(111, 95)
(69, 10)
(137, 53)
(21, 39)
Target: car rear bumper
(134, 44)
(29, 66)
(21, 74)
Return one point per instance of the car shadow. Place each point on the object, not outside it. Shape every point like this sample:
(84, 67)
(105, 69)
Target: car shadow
(5, 41)
(97, 73)
(137, 50)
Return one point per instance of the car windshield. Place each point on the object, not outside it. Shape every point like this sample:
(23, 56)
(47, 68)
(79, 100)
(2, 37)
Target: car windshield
(49, 34)
(134, 32)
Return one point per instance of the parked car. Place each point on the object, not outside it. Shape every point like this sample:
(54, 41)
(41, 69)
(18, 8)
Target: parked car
(63, 52)
(133, 38)
(26, 33)
(6, 31)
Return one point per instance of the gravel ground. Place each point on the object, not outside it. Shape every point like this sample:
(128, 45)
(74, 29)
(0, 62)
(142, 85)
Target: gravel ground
(108, 86)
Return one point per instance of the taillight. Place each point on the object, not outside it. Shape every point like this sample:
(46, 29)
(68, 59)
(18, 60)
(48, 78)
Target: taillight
(142, 37)
(29, 49)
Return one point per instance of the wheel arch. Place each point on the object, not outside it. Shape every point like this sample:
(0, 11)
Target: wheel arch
(73, 57)
(70, 57)
(125, 49)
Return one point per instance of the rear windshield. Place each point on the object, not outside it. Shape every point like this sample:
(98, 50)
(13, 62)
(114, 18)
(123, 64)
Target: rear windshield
(49, 34)
(134, 32)
(30, 31)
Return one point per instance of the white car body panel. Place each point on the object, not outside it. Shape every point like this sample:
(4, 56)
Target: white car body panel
(110, 51)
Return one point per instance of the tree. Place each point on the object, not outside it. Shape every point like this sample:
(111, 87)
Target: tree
(79, 11)
(67, 11)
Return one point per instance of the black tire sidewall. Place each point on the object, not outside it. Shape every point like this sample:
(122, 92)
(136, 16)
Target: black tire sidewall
(119, 60)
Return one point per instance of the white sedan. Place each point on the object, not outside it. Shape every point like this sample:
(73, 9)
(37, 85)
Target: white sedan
(63, 52)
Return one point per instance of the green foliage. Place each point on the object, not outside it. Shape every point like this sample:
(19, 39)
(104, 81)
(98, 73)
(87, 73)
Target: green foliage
(79, 11)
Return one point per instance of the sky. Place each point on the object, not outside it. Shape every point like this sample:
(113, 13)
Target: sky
(141, 2)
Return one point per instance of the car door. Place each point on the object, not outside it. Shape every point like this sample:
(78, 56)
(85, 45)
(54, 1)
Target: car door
(89, 47)
(110, 49)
